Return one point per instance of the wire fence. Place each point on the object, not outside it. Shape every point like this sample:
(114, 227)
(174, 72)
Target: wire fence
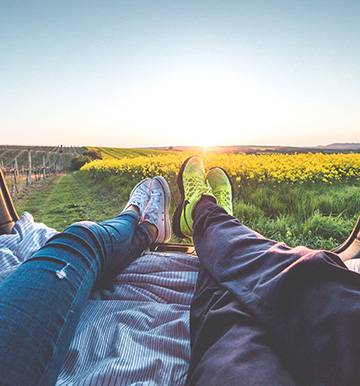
(24, 166)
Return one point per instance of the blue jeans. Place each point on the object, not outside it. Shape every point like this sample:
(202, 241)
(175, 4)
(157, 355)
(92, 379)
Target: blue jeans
(41, 302)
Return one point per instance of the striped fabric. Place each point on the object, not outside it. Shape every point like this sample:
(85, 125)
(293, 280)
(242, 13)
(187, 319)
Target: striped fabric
(136, 332)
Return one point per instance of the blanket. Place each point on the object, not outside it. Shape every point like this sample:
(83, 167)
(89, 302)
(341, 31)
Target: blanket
(135, 331)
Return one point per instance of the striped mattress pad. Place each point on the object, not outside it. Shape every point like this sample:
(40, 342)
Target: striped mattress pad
(135, 331)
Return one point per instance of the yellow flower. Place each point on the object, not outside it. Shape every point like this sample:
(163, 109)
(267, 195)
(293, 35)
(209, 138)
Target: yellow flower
(290, 168)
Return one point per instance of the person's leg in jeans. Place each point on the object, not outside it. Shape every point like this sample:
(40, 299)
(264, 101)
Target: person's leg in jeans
(41, 302)
(302, 306)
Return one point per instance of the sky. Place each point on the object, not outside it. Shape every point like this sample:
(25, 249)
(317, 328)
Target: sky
(163, 73)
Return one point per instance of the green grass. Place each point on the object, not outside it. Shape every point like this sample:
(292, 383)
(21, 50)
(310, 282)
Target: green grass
(72, 198)
(315, 215)
(118, 153)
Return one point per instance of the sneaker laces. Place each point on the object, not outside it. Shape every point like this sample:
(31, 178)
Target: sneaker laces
(138, 198)
(195, 185)
(153, 209)
(224, 197)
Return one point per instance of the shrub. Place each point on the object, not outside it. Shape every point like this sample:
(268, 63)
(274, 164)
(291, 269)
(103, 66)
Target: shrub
(87, 156)
(92, 154)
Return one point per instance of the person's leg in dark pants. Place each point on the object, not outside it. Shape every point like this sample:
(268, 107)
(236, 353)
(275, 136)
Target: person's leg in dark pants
(228, 346)
(305, 304)
(41, 302)
(293, 312)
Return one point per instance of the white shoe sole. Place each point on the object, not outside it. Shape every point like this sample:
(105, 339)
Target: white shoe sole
(167, 199)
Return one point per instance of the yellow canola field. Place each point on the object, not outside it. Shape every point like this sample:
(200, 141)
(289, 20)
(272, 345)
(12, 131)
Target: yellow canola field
(304, 167)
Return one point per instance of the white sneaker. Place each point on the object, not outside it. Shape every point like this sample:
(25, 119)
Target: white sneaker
(157, 210)
(140, 195)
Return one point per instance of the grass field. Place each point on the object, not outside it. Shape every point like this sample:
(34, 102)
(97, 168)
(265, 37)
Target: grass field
(119, 153)
(69, 198)
(317, 213)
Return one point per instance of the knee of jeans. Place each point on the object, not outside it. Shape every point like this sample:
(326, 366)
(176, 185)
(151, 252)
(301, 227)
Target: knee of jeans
(83, 224)
(80, 226)
(84, 230)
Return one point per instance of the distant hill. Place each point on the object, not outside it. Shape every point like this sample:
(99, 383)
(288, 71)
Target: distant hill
(342, 146)
(251, 149)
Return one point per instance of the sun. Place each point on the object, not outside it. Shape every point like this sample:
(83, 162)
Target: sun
(202, 108)
(203, 137)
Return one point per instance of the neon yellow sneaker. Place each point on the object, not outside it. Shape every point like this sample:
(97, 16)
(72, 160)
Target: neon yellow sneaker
(192, 186)
(222, 188)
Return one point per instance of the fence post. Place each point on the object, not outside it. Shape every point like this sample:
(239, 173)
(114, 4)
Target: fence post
(62, 161)
(44, 166)
(15, 175)
(29, 179)
(54, 164)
